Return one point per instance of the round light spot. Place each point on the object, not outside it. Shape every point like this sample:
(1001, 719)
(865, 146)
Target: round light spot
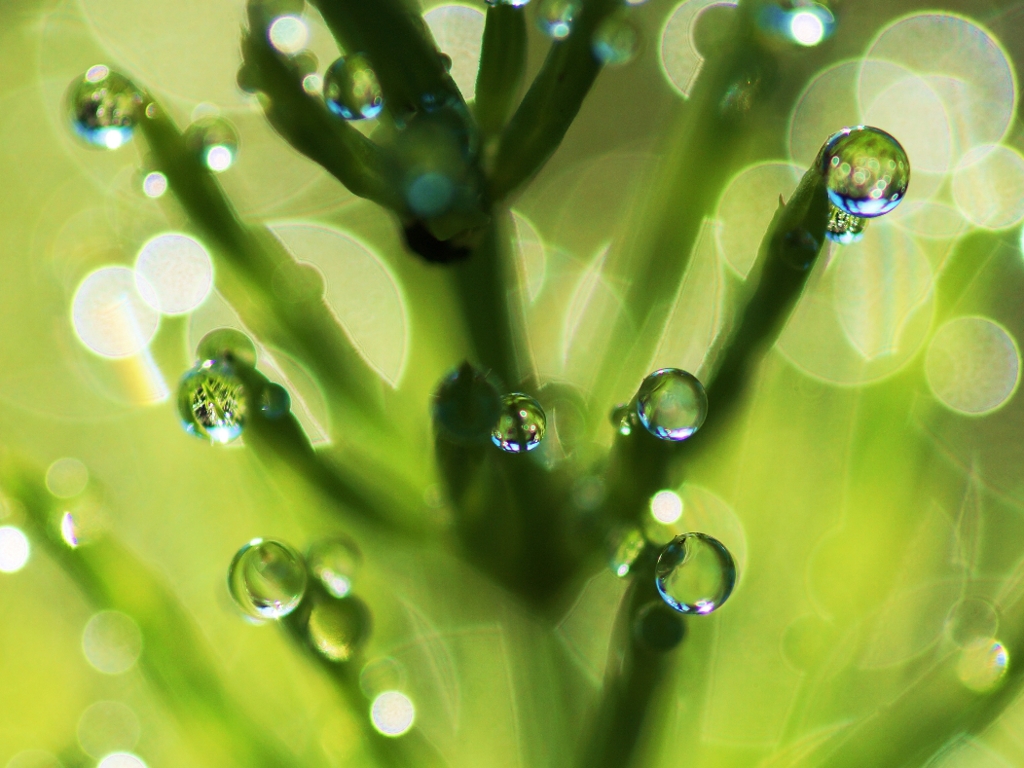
(288, 34)
(392, 713)
(112, 642)
(313, 84)
(106, 727)
(219, 158)
(806, 28)
(97, 73)
(154, 185)
(666, 507)
(988, 186)
(983, 664)
(176, 272)
(109, 315)
(14, 549)
(972, 365)
(459, 31)
(67, 478)
(121, 760)
(680, 60)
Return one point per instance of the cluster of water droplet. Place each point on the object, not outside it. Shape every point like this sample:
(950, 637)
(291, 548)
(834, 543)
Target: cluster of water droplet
(351, 89)
(103, 107)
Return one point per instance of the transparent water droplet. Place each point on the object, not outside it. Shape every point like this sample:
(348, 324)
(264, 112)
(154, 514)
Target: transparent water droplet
(671, 404)
(983, 663)
(267, 579)
(351, 89)
(275, 401)
(227, 344)
(555, 17)
(616, 40)
(212, 402)
(214, 141)
(335, 563)
(466, 406)
(338, 628)
(625, 547)
(844, 228)
(521, 425)
(513, 3)
(695, 573)
(658, 628)
(866, 171)
(103, 107)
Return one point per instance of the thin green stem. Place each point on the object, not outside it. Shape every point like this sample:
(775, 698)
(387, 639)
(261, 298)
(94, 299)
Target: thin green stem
(502, 67)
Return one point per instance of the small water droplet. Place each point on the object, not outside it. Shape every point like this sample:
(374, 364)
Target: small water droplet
(267, 579)
(212, 401)
(335, 563)
(521, 424)
(866, 171)
(466, 406)
(103, 107)
(658, 628)
(616, 40)
(555, 17)
(844, 228)
(275, 401)
(351, 88)
(338, 628)
(695, 573)
(671, 404)
(214, 141)
(624, 418)
(983, 664)
(625, 547)
(227, 344)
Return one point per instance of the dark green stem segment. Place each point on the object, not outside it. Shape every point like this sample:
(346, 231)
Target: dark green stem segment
(551, 104)
(502, 67)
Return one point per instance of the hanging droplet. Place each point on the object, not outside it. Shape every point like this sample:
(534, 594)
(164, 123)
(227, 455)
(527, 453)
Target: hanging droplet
(338, 628)
(103, 107)
(267, 579)
(625, 547)
(616, 40)
(335, 563)
(624, 418)
(983, 664)
(351, 89)
(521, 424)
(212, 401)
(671, 404)
(513, 3)
(555, 17)
(214, 141)
(866, 171)
(275, 401)
(844, 228)
(695, 573)
(229, 345)
(466, 406)
(658, 628)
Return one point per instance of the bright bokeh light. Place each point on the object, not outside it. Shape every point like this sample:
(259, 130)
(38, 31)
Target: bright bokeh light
(288, 34)
(459, 31)
(14, 549)
(66, 478)
(109, 315)
(68, 530)
(666, 507)
(313, 84)
(176, 272)
(219, 158)
(806, 28)
(392, 713)
(121, 760)
(97, 73)
(112, 642)
(988, 186)
(680, 60)
(973, 365)
(154, 185)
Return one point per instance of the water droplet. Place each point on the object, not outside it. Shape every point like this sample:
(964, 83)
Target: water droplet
(624, 418)
(466, 406)
(82, 524)
(616, 40)
(555, 17)
(658, 628)
(513, 3)
(969, 619)
(229, 345)
(112, 642)
(212, 401)
(275, 401)
(14, 549)
(338, 628)
(392, 713)
(154, 184)
(103, 107)
(695, 573)
(866, 171)
(267, 579)
(844, 228)
(521, 425)
(214, 141)
(983, 664)
(335, 563)
(625, 548)
(351, 89)
(671, 404)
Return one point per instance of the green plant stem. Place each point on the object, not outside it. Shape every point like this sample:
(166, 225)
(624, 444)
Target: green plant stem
(502, 67)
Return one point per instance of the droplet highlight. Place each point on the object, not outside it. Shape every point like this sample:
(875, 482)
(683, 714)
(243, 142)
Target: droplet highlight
(843, 228)
(555, 17)
(351, 89)
(671, 404)
(214, 141)
(982, 665)
(866, 171)
(212, 402)
(625, 547)
(521, 425)
(103, 107)
(695, 574)
(335, 564)
(267, 579)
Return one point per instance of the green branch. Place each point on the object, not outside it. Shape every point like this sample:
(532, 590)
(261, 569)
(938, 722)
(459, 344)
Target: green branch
(502, 66)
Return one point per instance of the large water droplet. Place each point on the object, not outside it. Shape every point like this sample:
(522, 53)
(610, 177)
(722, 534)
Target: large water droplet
(555, 17)
(616, 40)
(267, 579)
(335, 563)
(695, 573)
(338, 628)
(214, 141)
(624, 548)
(521, 424)
(844, 228)
(658, 628)
(671, 404)
(351, 89)
(466, 406)
(983, 664)
(212, 402)
(103, 107)
(866, 171)
(227, 344)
